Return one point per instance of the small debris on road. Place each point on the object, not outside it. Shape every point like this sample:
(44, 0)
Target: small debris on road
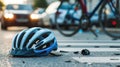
(68, 46)
(118, 66)
(62, 51)
(23, 62)
(116, 53)
(68, 61)
(76, 52)
(85, 52)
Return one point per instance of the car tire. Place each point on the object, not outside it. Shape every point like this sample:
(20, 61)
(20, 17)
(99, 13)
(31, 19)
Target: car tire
(3, 27)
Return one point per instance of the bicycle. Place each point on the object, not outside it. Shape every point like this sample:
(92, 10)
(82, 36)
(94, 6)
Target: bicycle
(109, 14)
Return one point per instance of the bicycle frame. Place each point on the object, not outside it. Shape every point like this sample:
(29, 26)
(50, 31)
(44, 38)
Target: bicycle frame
(108, 13)
(84, 8)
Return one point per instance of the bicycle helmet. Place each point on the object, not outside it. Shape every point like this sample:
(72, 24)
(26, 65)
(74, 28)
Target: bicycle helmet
(34, 41)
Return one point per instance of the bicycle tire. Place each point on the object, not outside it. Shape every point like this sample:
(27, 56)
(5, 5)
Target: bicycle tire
(110, 21)
(67, 29)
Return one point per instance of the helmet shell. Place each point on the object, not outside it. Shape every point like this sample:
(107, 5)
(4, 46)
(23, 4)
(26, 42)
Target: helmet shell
(34, 41)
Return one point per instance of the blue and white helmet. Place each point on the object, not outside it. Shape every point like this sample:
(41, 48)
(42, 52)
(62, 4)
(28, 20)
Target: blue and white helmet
(35, 41)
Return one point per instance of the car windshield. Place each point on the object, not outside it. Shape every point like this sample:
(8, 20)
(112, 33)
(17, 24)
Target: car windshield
(67, 5)
(39, 11)
(18, 7)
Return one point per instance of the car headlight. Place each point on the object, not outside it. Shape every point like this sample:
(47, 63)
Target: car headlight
(34, 16)
(9, 15)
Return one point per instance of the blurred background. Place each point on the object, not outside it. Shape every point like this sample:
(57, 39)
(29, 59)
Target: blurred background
(32, 13)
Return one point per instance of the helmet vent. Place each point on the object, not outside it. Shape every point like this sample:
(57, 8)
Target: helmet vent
(36, 30)
(45, 35)
(37, 41)
(14, 43)
(43, 46)
(28, 38)
(20, 38)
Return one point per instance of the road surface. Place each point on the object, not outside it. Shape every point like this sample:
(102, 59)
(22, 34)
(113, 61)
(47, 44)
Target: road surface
(105, 52)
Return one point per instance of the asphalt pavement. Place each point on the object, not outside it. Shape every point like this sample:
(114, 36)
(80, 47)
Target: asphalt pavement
(104, 51)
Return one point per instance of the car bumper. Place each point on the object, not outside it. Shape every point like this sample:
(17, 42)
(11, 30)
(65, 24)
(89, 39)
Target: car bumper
(26, 22)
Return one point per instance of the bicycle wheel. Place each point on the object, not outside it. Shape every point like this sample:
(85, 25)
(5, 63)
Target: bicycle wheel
(109, 17)
(67, 18)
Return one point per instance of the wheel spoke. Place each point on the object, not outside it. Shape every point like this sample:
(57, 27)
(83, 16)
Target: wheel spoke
(110, 19)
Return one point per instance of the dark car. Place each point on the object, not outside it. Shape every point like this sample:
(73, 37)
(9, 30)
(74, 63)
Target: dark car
(18, 15)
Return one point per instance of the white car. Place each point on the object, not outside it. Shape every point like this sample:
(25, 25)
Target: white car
(40, 12)
(49, 15)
